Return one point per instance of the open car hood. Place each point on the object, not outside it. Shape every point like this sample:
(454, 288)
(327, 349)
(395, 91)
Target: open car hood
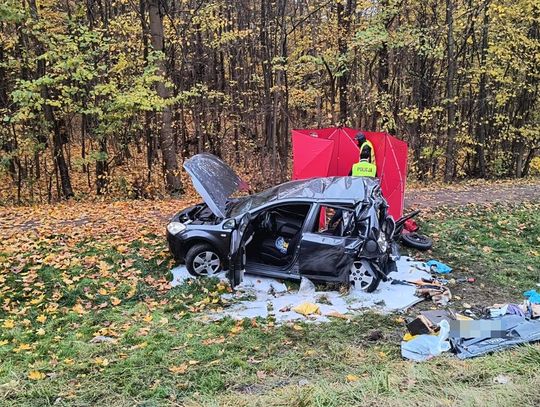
(214, 180)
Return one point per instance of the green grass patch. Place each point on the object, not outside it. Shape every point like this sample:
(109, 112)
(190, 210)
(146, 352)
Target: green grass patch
(501, 244)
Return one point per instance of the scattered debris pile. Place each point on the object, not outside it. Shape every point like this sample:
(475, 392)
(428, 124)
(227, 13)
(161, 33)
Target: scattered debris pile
(502, 326)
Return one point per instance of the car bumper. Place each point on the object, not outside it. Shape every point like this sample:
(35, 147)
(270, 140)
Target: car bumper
(176, 247)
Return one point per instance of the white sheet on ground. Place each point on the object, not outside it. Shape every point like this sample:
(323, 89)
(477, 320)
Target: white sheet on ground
(264, 297)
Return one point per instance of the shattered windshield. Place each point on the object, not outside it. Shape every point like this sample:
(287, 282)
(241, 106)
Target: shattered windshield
(242, 205)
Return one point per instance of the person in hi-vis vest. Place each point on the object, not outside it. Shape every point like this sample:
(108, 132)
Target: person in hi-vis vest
(366, 167)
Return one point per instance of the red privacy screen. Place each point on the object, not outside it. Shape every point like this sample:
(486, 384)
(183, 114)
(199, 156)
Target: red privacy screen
(333, 151)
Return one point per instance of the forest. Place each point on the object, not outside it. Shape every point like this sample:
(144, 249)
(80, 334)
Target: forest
(108, 97)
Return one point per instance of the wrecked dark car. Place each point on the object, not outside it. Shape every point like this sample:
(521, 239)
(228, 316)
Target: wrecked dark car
(333, 229)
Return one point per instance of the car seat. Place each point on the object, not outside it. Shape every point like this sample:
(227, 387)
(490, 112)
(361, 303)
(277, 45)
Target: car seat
(270, 254)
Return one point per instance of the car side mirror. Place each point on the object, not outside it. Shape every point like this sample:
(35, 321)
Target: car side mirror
(229, 224)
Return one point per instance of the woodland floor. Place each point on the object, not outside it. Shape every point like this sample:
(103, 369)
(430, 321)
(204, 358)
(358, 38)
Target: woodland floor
(73, 271)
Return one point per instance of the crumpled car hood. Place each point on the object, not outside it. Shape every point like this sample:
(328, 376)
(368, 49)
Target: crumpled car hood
(214, 180)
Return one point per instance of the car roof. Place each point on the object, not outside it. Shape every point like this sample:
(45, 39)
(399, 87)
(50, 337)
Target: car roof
(325, 189)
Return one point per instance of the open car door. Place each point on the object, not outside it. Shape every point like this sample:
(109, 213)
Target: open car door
(327, 253)
(240, 236)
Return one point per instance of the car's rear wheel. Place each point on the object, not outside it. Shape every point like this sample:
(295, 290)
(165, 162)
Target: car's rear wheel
(364, 276)
(203, 260)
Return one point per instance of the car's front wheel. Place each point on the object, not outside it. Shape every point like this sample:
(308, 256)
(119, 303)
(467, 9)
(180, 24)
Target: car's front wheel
(203, 260)
(364, 276)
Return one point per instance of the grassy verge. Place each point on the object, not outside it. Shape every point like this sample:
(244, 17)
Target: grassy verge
(498, 244)
(62, 286)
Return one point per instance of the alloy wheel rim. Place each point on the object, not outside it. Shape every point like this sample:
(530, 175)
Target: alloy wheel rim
(360, 276)
(206, 263)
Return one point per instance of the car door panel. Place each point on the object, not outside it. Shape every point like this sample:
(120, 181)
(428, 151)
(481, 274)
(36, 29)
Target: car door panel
(326, 257)
(239, 236)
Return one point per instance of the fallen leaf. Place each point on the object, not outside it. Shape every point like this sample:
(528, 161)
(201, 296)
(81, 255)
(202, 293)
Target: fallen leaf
(148, 318)
(180, 369)
(8, 324)
(41, 318)
(335, 314)
(101, 361)
(79, 309)
(36, 375)
(22, 347)
(352, 378)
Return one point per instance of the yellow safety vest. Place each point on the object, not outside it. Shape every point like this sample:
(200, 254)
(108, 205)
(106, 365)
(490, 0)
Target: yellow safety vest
(365, 168)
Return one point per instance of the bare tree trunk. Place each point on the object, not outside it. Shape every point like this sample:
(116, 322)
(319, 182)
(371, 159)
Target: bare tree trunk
(481, 128)
(58, 140)
(166, 138)
(451, 109)
(344, 12)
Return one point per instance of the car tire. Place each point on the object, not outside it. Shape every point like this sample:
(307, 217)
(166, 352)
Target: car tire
(203, 260)
(361, 271)
(416, 241)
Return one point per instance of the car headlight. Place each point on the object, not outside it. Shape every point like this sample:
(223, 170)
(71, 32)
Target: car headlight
(382, 242)
(175, 227)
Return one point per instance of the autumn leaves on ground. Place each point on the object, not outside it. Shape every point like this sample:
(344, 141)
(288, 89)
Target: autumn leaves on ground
(88, 318)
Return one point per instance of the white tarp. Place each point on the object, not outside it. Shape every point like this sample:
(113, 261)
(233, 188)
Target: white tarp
(270, 297)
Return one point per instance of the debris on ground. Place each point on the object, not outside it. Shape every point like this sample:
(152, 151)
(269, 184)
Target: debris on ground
(501, 379)
(438, 293)
(102, 339)
(307, 308)
(478, 337)
(375, 335)
(427, 322)
(267, 297)
(438, 267)
(533, 296)
(498, 310)
(424, 347)
(306, 287)
(507, 325)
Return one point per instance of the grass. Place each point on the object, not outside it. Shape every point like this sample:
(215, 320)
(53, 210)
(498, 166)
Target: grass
(63, 286)
(501, 244)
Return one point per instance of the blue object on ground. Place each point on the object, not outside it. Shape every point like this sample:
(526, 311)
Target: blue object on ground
(438, 267)
(532, 296)
(424, 347)
(483, 336)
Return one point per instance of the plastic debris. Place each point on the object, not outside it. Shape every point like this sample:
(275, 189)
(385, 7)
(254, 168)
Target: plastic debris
(425, 347)
(533, 296)
(498, 310)
(306, 287)
(501, 379)
(438, 267)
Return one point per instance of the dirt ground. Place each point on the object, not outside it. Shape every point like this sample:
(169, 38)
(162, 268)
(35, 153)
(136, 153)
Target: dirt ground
(478, 193)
